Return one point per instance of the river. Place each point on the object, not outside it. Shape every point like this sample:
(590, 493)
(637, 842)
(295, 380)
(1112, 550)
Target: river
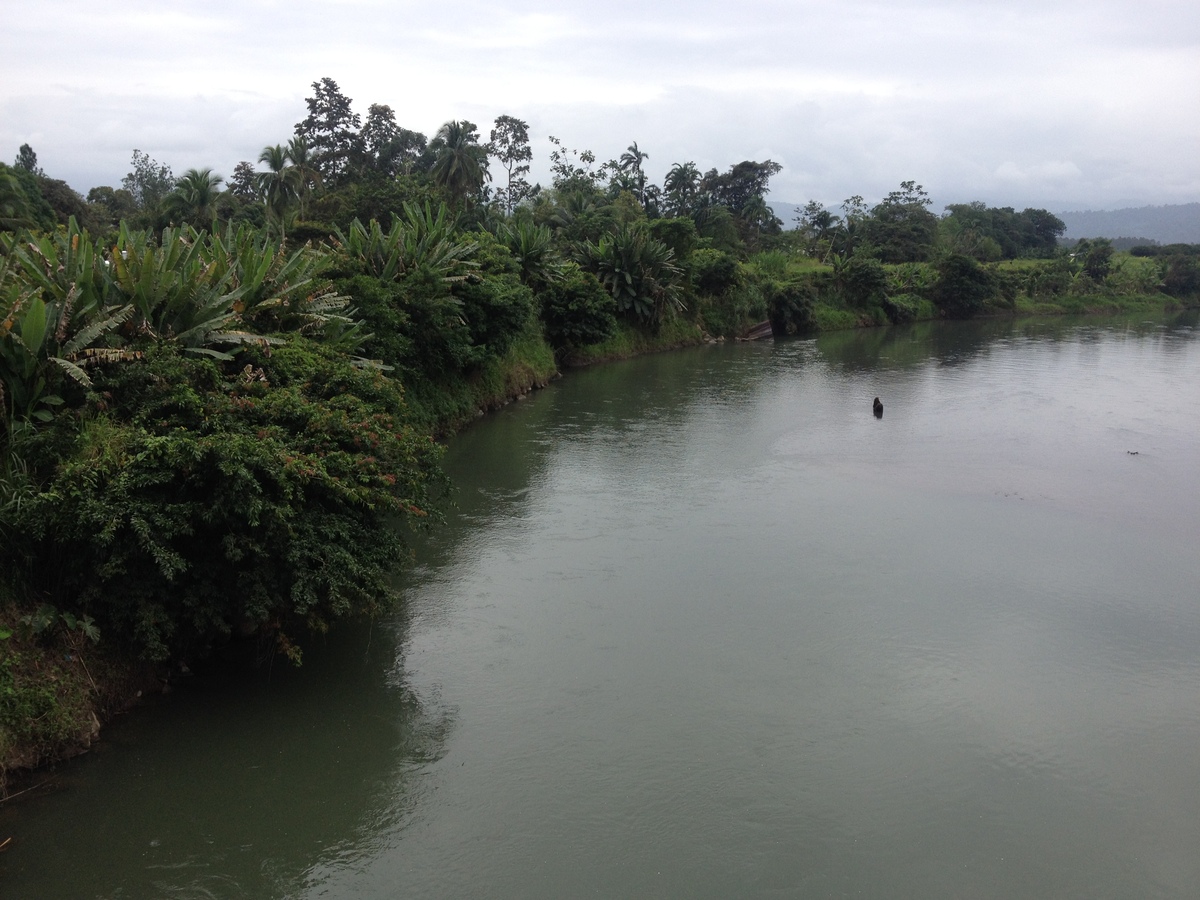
(700, 625)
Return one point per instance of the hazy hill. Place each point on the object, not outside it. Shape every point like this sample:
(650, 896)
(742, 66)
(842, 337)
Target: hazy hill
(1178, 224)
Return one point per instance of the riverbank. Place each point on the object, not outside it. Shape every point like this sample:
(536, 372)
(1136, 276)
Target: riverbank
(59, 687)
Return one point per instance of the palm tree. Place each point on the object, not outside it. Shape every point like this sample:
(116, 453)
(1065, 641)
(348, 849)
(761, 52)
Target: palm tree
(631, 162)
(307, 175)
(682, 185)
(461, 166)
(194, 198)
(277, 185)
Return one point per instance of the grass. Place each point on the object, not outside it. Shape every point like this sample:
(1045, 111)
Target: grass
(630, 341)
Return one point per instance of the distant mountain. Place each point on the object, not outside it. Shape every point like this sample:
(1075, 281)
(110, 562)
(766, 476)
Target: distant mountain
(1179, 224)
(786, 212)
(1166, 224)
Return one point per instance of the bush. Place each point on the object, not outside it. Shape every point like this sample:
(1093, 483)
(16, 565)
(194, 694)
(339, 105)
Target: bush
(713, 272)
(495, 303)
(863, 282)
(205, 500)
(790, 306)
(907, 308)
(962, 286)
(577, 310)
(1182, 278)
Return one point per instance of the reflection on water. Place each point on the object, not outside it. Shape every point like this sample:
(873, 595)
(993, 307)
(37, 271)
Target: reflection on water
(238, 786)
(701, 625)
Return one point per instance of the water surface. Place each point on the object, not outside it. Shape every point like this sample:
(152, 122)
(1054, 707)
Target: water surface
(702, 626)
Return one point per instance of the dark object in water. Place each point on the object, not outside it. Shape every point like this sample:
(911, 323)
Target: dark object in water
(759, 332)
(878, 408)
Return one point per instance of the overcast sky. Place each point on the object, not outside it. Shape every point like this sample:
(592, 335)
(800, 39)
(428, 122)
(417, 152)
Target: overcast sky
(1062, 104)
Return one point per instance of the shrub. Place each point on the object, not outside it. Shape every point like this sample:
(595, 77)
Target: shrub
(208, 499)
(962, 286)
(713, 272)
(577, 310)
(1182, 278)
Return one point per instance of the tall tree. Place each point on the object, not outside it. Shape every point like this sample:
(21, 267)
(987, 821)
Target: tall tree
(149, 182)
(377, 135)
(277, 186)
(631, 163)
(681, 188)
(331, 129)
(573, 170)
(817, 225)
(901, 228)
(307, 175)
(509, 143)
(27, 160)
(112, 206)
(243, 183)
(743, 181)
(461, 162)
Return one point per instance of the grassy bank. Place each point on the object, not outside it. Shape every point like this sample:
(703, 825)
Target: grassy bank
(628, 342)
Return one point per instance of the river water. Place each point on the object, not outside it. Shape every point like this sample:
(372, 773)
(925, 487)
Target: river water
(702, 626)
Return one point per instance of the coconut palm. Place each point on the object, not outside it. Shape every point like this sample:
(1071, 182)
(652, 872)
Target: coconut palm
(194, 199)
(682, 186)
(307, 175)
(631, 163)
(461, 164)
(277, 185)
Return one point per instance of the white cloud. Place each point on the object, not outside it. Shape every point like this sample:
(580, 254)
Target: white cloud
(1018, 104)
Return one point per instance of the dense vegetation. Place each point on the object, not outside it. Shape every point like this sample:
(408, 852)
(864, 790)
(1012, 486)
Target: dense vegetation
(217, 406)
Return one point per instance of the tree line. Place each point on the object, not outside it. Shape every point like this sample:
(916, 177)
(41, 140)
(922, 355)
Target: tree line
(218, 395)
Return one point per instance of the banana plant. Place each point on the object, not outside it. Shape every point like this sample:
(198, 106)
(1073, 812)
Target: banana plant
(281, 291)
(41, 342)
(639, 271)
(421, 239)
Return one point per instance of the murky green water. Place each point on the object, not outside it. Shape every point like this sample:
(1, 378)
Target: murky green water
(704, 627)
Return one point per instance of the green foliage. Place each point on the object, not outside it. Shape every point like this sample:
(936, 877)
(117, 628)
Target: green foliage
(901, 228)
(21, 202)
(330, 130)
(679, 234)
(576, 310)
(718, 226)
(496, 303)
(639, 272)
(989, 233)
(532, 246)
(860, 281)
(1130, 275)
(193, 200)
(630, 339)
(41, 707)
(461, 162)
(148, 184)
(52, 320)
(574, 170)
(209, 499)
(509, 143)
(371, 196)
(962, 286)
(1182, 276)
(901, 308)
(422, 241)
(43, 621)
(713, 272)
(741, 184)
(433, 311)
